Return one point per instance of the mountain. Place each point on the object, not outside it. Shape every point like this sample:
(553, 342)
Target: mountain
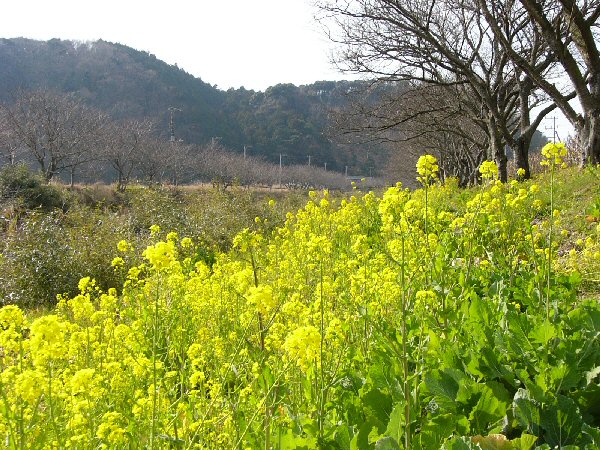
(283, 120)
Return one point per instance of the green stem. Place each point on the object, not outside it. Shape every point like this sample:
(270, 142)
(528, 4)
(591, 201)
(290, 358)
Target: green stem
(154, 370)
(407, 409)
(549, 269)
(321, 391)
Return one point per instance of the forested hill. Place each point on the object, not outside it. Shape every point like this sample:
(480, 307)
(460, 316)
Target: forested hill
(129, 83)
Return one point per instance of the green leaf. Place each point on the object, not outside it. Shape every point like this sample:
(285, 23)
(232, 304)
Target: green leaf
(377, 406)
(543, 333)
(460, 443)
(387, 443)
(436, 431)
(564, 377)
(489, 409)
(588, 401)
(494, 369)
(592, 432)
(444, 386)
(342, 437)
(395, 426)
(361, 439)
(525, 442)
(290, 442)
(562, 422)
(479, 311)
(526, 411)
(517, 339)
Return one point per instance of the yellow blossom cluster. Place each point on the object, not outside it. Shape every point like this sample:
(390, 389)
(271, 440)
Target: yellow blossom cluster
(554, 154)
(427, 168)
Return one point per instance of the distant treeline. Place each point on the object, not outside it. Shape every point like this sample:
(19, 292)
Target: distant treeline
(133, 85)
(63, 137)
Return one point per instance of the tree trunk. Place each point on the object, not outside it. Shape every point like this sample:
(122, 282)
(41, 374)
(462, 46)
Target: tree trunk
(521, 150)
(120, 186)
(497, 150)
(589, 138)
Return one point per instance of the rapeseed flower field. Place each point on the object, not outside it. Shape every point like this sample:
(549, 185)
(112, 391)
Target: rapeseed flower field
(393, 321)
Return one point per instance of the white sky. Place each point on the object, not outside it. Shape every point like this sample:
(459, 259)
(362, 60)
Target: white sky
(230, 43)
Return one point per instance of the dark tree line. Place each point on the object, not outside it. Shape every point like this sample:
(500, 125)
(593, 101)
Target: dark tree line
(476, 76)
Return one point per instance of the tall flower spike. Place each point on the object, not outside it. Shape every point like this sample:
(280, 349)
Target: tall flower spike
(488, 170)
(427, 168)
(554, 154)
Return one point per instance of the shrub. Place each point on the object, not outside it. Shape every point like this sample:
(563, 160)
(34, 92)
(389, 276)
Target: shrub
(18, 183)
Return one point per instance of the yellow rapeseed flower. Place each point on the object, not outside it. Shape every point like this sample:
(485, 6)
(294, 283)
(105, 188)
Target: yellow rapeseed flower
(124, 246)
(488, 170)
(154, 230)
(161, 254)
(427, 168)
(303, 346)
(553, 154)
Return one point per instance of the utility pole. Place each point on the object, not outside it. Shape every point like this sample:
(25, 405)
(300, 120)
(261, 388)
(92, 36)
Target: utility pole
(172, 110)
(555, 136)
(346, 171)
(309, 160)
(325, 167)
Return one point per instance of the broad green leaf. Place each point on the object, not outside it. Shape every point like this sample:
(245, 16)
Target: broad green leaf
(377, 406)
(387, 443)
(593, 433)
(586, 317)
(443, 386)
(460, 443)
(468, 393)
(489, 409)
(342, 437)
(525, 442)
(289, 441)
(561, 422)
(479, 311)
(395, 426)
(564, 377)
(436, 431)
(517, 339)
(494, 368)
(361, 439)
(543, 333)
(526, 411)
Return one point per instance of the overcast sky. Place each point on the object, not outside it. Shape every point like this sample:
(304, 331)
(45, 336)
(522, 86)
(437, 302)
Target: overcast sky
(250, 43)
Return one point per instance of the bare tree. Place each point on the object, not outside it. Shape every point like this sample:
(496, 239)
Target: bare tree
(570, 31)
(444, 120)
(57, 130)
(10, 148)
(151, 166)
(435, 42)
(123, 147)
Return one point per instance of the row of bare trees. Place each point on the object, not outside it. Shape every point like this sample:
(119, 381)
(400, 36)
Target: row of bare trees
(65, 138)
(473, 77)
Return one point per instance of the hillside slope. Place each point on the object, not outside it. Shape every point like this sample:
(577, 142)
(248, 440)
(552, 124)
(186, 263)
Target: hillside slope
(285, 119)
